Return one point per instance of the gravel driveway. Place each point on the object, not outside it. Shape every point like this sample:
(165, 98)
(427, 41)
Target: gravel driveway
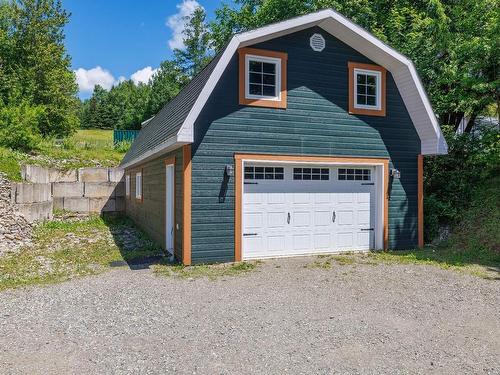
(282, 318)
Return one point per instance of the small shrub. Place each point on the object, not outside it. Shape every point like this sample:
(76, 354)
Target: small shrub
(123, 146)
(19, 126)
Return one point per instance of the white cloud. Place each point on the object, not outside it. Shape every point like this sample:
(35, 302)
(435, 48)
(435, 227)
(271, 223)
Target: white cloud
(176, 22)
(87, 79)
(143, 75)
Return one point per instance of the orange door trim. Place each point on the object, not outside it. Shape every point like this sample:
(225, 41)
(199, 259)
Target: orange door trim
(238, 180)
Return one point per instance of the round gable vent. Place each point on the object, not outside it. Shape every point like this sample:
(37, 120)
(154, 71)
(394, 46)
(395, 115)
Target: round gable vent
(317, 42)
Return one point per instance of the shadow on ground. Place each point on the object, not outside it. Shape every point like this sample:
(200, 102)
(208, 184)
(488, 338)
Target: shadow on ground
(138, 251)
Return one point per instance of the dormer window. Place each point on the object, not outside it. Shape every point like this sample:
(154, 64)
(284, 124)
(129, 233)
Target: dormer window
(262, 75)
(366, 89)
(262, 78)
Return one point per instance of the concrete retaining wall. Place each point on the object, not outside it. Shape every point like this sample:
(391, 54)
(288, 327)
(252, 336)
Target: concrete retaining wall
(84, 190)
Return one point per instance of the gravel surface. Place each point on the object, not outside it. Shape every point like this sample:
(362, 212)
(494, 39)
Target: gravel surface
(282, 318)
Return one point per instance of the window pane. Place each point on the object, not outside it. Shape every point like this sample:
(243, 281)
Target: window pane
(279, 170)
(269, 79)
(269, 68)
(278, 176)
(255, 66)
(371, 90)
(297, 176)
(361, 78)
(259, 176)
(248, 176)
(361, 99)
(371, 80)
(255, 78)
(371, 100)
(315, 176)
(269, 91)
(255, 89)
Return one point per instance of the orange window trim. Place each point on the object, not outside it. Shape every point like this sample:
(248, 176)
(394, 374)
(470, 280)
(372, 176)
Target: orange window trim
(170, 161)
(186, 205)
(420, 200)
(242, 52)
(238, 159)
(363, 111)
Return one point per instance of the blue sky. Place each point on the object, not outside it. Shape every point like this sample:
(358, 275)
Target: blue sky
(115, 39)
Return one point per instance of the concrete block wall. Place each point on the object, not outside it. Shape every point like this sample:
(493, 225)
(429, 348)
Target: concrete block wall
(83, 190)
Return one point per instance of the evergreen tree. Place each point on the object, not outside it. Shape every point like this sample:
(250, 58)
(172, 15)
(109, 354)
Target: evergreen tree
(197, 40)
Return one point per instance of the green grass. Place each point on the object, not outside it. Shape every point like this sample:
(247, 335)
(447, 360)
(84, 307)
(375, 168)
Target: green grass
(86, 148)
(212, 272)
(64, 250)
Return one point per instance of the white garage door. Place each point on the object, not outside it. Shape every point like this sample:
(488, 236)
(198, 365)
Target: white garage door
(299, 209)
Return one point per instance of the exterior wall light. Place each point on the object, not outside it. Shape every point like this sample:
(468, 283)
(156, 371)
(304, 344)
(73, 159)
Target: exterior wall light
(395, 173)
(229, 171)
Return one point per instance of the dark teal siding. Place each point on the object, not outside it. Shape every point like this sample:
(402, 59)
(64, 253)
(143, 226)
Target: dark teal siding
(316, 122)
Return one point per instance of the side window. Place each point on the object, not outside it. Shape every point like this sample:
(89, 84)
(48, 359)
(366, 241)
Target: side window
(262, 78)
(138, 185)
(367, 89)
(127, 185)
(264, 173)
(354, 174)
(315, 174)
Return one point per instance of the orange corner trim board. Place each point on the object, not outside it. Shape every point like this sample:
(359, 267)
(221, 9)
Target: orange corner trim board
(238, 188)
(420, 200)
(186, 206)
(243, 100)
(364, 111)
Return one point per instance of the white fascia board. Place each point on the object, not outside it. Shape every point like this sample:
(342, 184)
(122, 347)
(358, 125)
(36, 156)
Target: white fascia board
(169, 145)
(351, 34)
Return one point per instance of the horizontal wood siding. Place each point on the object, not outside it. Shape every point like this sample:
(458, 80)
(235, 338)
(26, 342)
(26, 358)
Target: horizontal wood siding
(149, 214)
(316, 122)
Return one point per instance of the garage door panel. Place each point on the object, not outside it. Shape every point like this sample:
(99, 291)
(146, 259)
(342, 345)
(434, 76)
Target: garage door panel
(322, 218)
(325, 216)
(322, 241)
(301, 219)
(254, 220)
(276, 219)
(345, 240)
(344, 217)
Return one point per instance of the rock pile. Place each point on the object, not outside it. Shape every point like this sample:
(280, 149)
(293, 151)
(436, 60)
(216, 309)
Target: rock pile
(15, 231)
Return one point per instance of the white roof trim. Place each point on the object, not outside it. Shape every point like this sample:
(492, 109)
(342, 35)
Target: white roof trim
(169, 145)
(402, 69)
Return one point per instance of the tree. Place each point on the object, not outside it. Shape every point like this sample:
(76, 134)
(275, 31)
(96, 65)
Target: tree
(453, 43)
(165, 85)
(42, 64)
(197, 41)
(37, 86)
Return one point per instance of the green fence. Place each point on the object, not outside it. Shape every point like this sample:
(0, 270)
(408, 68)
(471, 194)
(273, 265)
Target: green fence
(124, 135)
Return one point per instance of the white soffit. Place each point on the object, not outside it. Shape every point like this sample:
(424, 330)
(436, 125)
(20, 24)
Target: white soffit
(401, 68)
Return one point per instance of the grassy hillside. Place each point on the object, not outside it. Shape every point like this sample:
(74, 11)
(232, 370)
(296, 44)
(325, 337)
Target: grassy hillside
(86, 148)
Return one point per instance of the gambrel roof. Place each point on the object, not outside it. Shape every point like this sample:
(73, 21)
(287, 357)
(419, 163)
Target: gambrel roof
(173, 126)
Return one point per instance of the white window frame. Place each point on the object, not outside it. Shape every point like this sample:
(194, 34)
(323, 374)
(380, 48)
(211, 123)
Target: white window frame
(273, 60)
(378, 91)
(127, 185)
(138, 185)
